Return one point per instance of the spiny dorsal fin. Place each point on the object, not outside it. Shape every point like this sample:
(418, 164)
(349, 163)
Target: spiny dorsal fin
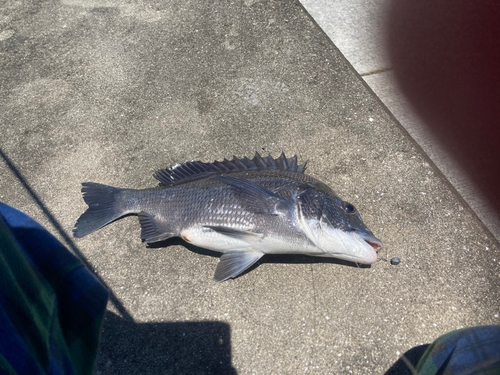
(195, 170)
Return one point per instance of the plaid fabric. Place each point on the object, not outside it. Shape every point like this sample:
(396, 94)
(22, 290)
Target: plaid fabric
(474, 350)
(51, 306)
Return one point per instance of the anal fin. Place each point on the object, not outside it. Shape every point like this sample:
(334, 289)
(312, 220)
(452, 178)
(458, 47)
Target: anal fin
(233, 264)
(153, 229)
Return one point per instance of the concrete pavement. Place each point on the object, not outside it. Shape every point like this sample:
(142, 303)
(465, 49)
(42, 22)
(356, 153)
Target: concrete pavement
(109, 92)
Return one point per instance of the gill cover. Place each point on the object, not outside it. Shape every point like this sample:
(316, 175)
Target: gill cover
(335, 227)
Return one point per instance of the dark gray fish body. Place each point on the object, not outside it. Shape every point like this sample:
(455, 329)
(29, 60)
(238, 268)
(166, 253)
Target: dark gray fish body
(243, 208)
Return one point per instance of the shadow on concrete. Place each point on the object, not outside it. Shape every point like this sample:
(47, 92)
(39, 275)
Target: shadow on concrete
(408, 362)
(164, 348)
(69, 242)
(128, 347)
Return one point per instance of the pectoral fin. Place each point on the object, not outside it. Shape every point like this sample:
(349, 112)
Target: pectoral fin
(253, 197)
(232, 264)
(236, 233)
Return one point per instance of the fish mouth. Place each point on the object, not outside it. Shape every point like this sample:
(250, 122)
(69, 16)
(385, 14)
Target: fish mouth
(377, 245)
(373, 241)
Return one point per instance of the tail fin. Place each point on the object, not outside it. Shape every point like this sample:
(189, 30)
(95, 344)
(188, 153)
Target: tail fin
(102, 208)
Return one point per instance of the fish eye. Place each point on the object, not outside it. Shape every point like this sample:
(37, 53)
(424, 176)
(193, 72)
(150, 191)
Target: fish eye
(349, 208)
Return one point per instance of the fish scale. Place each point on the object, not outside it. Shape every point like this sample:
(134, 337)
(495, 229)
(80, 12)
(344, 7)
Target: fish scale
(243, 208)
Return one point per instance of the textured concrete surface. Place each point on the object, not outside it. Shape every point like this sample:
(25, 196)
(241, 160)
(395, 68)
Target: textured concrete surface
(359, 29)
(108, 91)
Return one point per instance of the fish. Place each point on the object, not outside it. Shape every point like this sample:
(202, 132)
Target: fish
(243, 208)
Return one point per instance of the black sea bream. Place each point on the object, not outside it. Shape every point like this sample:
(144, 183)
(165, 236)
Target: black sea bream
(243, 208)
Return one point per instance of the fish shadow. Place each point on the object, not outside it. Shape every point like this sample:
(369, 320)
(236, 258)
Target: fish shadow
(267, 258)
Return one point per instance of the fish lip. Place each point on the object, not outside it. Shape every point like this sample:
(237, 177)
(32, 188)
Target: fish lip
(377, 245)
(373, 241)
